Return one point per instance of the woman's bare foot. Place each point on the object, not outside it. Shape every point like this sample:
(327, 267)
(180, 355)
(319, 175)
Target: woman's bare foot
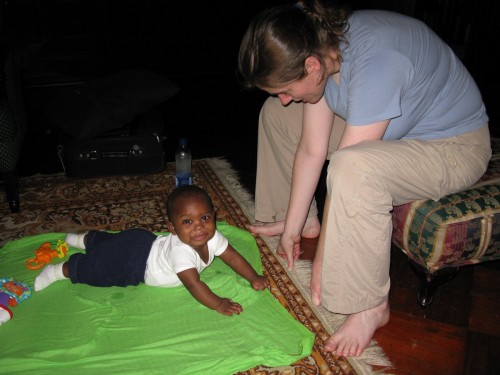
(269, 229)
(355, 334)
(311, 228)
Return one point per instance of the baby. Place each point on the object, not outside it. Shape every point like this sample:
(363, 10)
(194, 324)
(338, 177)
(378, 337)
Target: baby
(136, 256)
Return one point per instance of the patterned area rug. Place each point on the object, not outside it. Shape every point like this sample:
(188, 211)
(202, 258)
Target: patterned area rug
(55, 203)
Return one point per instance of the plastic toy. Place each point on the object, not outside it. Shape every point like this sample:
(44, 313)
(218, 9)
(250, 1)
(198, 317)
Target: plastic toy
(12, 292)
(45, 253)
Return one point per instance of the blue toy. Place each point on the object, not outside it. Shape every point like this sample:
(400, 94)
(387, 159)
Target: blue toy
(12, 292)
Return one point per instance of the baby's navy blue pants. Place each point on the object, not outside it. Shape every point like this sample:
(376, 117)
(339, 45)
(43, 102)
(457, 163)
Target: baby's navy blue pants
(112, 259)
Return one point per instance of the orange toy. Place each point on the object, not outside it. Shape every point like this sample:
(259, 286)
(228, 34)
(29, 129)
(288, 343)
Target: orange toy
(45, 253)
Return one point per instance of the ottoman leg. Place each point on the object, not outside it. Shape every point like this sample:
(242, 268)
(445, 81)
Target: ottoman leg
(430, 281)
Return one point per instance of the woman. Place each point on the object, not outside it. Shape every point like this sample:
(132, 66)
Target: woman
(400, 119)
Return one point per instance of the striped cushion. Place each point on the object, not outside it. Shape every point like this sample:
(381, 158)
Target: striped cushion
(458, 229)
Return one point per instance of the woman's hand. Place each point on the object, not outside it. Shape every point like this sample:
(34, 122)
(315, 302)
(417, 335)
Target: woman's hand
(289, 249)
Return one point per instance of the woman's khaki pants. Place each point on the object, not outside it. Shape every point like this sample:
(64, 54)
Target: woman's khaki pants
(364, 182)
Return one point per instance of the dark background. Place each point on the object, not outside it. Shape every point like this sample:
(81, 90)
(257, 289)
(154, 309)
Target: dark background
(63, 43)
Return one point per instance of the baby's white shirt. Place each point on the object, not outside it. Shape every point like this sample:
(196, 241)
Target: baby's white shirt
(169, 256)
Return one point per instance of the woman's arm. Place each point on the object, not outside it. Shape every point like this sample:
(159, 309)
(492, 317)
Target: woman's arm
(309, 160)
(357, 134)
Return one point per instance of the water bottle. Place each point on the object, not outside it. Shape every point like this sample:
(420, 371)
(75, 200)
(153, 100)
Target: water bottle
(183, 174)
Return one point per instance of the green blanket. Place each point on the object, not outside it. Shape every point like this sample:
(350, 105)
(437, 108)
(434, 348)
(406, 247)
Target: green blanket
(77, 329)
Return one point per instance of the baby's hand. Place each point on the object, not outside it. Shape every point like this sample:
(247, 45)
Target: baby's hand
(260, 283)
(228, 307)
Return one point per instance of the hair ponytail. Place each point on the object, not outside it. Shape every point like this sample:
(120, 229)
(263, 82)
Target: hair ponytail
(329, 18)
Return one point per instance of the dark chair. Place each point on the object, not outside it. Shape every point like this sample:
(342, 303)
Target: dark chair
(12, 126)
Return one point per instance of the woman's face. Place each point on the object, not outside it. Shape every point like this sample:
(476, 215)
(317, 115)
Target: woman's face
(309, 89)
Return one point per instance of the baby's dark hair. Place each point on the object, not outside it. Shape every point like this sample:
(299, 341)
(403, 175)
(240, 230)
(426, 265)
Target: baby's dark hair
(187, 191)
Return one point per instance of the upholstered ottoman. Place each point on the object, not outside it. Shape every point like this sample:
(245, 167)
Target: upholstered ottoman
(457, 230)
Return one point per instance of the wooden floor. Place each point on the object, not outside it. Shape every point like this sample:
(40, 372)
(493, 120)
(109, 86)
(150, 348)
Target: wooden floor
(459, 333)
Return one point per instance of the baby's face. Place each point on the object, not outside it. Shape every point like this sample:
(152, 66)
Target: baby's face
(193, 221)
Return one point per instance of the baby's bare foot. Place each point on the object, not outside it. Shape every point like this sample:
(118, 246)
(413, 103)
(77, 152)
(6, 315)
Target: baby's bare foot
(355, 334)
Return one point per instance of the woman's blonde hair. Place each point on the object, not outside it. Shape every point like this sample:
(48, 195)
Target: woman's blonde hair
(278, 41)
